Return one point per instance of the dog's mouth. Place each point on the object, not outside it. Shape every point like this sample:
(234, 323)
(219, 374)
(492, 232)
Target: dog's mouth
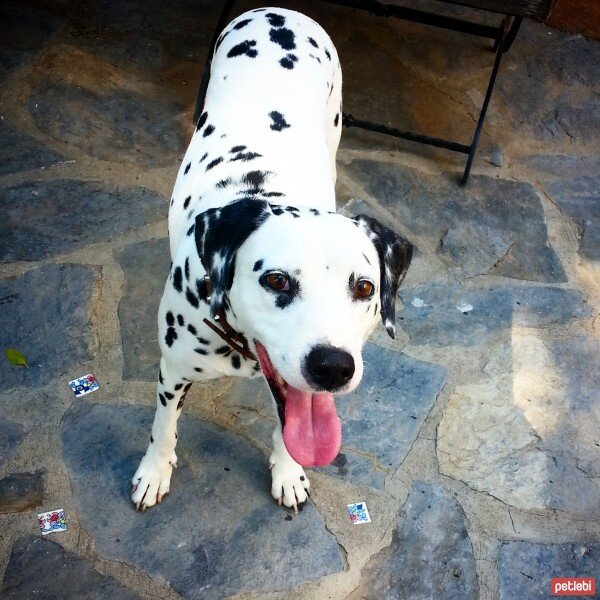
(312, 432)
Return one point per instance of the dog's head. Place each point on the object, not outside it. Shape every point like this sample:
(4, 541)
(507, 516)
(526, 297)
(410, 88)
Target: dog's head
(307, 287)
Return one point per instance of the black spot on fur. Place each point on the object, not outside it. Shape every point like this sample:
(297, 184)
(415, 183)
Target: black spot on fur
(235, 361)
(198, 369)
(160, 377)
(178, 386)
(180, 404)
(187, 168)
(316, 58)
(224, 183)
(151, 440)
(258, 265)
(315, 212)
(276, 209)
(202, 289)
(209, 129)
(237, 149)
(313, 43)
(279, 123)
(187, 388)
(192, 298)
(203, 158)
(283, 37)
(201, 351)
(336, 120)
(190, 231)
(245, 156)
(275, 20)
(242, 24)
(245, 48)
(177, 279)
(201, 120)
(162, 399)
(202, 340)
(214, 163)
(186, 202)
(327, 54)
(170, 336)
(273, 194)
(192, 329)
(287, 62)
(169, 395)
(254, 179)
(187, 267)
(180, 320)
(170, 319)
(222, 350)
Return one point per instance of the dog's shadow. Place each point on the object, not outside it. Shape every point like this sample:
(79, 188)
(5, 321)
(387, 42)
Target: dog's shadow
(217, 533)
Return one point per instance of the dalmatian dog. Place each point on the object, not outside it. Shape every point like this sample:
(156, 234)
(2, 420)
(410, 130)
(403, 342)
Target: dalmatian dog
(256, 244)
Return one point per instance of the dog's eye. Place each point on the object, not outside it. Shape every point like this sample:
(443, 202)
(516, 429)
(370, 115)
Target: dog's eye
(277, 281)
(363, 289)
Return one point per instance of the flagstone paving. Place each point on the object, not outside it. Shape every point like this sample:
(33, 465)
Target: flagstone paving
(474, 437)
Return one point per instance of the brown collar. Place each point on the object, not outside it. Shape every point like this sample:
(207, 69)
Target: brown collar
(232, 337)
(226, 332)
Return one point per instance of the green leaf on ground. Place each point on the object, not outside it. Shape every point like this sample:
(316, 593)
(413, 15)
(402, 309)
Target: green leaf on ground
(14, 357)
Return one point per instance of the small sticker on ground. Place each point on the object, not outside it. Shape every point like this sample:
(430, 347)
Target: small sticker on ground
(359, 513)
(84, 385)
(52, 521)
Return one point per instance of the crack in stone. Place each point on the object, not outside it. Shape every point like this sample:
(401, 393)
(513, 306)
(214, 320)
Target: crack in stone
(504, 255)
(511, 520)
(371, 457)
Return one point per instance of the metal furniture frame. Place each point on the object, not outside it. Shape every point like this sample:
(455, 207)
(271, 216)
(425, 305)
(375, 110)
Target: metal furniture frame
(503, 36)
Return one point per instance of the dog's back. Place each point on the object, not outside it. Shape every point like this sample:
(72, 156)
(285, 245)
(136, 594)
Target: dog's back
(271, 122)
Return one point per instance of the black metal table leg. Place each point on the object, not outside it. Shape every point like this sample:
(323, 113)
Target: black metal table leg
(206, 73)
(502, 47)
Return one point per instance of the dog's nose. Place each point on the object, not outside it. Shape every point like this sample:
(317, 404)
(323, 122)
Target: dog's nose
(329, 368)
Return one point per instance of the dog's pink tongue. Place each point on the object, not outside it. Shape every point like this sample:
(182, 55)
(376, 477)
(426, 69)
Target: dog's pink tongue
(312, 432)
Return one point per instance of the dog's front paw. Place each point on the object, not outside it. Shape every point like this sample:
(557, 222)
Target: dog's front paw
(152, 480)
(290, 484)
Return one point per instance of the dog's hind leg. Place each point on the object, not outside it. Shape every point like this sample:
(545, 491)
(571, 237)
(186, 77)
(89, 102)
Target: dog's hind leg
(289, 484)
(152, 479)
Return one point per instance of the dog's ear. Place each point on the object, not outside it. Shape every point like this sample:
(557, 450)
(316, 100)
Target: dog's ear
(219, 233)
(395, 254)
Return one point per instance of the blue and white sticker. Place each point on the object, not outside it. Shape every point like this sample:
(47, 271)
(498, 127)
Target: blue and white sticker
(359, 513)
(84, 385)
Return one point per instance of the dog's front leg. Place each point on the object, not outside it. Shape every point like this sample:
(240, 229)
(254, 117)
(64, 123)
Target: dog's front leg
(152, 479)
(289, 484)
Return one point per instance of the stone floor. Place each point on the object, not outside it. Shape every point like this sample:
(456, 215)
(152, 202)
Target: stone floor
(474, 437)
